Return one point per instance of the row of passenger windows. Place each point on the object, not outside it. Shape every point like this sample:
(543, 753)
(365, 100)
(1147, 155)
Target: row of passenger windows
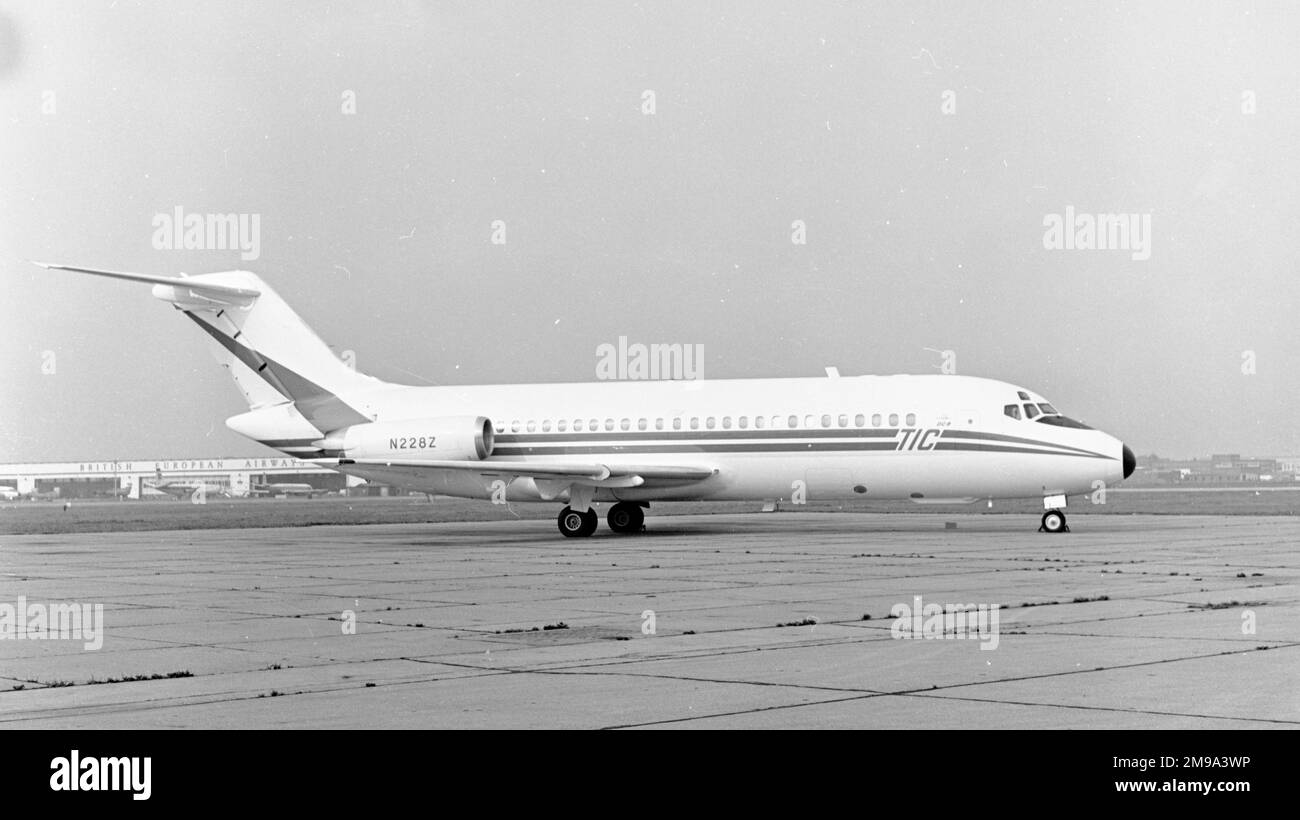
(707, 422)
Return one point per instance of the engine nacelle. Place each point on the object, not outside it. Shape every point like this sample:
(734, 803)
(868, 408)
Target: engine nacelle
(445, 438)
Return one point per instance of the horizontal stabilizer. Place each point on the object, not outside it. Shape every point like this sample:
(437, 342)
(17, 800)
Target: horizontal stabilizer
(185, 290)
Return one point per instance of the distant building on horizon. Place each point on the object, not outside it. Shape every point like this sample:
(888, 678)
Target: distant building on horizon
(135, 478)
(1219, 468)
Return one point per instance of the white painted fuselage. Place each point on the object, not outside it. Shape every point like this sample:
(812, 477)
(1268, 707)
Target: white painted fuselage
(925, 438)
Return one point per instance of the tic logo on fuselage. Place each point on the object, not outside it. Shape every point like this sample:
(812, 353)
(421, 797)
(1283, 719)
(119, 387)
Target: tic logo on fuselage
(917, 438)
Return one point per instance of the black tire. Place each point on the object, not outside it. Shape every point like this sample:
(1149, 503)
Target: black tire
(1053, 521)
(626, 518)
(574, 524)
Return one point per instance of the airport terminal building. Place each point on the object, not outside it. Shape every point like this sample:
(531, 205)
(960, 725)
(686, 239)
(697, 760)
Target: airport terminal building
(140, 478)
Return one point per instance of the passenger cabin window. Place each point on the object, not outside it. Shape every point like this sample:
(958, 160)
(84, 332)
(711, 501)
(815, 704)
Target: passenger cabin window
(742, 422)
(659, 424)
(561, 425)
(514, 426)
(546, 425)
(1012, 410)
(1030, 411)
(893, 419)
(859, 420)
(911, 419)
(760, 422)
(793, 422)
(695, 422)
(609, 425)
(876, 420)
(677, 423)
(641, 424)
(726, 422)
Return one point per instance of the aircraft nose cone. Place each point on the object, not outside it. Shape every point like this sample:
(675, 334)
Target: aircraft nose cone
(1130, 462)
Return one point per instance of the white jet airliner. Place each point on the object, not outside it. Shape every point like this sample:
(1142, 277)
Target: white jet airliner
(934, 439)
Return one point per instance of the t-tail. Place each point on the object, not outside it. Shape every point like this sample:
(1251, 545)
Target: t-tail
(296, 388)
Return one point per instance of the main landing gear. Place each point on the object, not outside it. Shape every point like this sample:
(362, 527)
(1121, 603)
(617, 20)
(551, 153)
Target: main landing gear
(574, 524)
(625, 518)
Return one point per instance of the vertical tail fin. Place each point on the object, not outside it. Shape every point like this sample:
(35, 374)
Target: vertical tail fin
(271, 353)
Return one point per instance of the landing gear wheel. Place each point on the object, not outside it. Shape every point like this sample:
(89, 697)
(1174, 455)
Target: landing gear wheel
(574, 524)
(625, 518)
(1053, 522)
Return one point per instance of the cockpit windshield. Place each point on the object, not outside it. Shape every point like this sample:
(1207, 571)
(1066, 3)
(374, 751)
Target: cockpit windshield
(1064, 421)
(1040, 412)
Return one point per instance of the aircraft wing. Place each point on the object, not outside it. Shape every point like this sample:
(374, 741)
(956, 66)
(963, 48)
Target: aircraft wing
(599, 475)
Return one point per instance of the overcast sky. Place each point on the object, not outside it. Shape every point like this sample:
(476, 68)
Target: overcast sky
(922, 146)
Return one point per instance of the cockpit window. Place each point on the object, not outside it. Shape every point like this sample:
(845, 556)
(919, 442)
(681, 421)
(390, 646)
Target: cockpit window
(1064, 421)
(1012, 410)
(1023, 395)
(1047, 408)
(1030, 411)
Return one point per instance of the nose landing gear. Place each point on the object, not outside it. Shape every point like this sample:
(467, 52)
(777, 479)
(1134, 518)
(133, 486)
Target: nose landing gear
(1053, 522)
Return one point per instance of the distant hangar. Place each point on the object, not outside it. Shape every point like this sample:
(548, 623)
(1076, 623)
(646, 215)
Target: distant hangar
(139, 478)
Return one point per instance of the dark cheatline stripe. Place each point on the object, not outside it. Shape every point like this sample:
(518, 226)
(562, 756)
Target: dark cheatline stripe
(885, 446)
(949, 434)
(713, 447)
(615, 449)
(998, 448)
(610, 449)
(695, 435)
(1018, 440)
(282, 444)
